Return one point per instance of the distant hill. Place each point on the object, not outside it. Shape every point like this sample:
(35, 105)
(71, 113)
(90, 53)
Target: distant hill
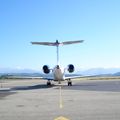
(99, 71)
(88, 72)
(116, 74)
(17, 70)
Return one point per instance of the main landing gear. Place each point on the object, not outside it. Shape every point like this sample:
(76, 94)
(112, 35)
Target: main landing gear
(69, 82)
(49, 83)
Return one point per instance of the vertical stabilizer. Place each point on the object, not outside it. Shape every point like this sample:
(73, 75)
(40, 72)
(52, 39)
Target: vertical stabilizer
(57, 44)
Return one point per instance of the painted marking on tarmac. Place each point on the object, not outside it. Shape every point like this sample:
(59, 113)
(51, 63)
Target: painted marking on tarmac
(60, 98)
(61, 118)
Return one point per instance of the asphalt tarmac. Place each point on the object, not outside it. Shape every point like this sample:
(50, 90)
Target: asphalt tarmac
(85, 100)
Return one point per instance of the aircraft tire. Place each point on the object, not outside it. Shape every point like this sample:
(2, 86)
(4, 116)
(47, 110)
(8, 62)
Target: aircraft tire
(48, 83)
(69, 83)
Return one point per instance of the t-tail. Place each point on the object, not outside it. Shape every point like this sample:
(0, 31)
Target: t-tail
(57, 44)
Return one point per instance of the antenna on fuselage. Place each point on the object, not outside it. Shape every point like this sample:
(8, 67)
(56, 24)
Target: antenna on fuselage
(57, 44)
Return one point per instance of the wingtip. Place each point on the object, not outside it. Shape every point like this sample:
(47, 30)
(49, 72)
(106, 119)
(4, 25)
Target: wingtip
(82, 41)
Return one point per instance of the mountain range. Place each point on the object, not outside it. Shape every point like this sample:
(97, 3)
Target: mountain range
(92, 71)
(17, 70)
(99, 71)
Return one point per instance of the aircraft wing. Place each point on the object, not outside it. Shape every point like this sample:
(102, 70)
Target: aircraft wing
(48, 78)
(72, 42)
(72, 77)
(45, 78)
(65, 78)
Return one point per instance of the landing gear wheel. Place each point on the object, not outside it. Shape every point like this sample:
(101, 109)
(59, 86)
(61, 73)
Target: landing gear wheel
(69, 83)
(48, 83)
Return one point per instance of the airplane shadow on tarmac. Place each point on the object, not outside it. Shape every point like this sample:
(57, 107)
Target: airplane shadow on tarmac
(4, 92)
(103, 86)
(33, 87)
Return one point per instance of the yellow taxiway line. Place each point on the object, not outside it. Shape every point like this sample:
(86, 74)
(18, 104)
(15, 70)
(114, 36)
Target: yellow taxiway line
(61, 118)
(61, 104)
(60, 98)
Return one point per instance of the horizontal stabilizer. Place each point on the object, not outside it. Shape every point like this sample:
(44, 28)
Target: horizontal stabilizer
(57, 43)
(44, 43)
(72, 42)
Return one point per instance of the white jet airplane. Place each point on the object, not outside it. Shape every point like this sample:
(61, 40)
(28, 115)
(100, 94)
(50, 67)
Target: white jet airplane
(58, 73)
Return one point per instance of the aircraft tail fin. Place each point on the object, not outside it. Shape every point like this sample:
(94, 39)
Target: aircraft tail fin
(57, 44)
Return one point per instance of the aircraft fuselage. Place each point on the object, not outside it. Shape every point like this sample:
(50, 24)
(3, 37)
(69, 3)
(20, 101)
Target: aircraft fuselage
(58, 73)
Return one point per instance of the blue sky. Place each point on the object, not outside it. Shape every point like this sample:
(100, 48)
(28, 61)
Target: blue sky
(95, 21)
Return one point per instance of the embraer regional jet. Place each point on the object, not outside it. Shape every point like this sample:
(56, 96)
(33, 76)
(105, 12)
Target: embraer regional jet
(58, 73)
